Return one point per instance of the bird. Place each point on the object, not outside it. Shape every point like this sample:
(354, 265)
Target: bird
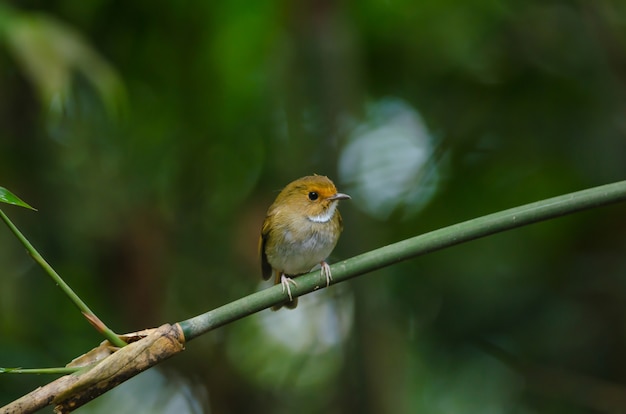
(300, 230)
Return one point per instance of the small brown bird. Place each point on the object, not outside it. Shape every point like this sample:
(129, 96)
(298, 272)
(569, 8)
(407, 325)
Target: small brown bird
(300, 230)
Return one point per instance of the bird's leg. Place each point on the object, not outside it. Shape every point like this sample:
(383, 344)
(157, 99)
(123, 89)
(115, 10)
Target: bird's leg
(325, 269)
(285, 281)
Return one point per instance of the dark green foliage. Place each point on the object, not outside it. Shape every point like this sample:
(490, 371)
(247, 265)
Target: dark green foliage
(152, 139)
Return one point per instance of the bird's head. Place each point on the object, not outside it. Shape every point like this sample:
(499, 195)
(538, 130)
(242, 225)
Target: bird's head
(315, 196)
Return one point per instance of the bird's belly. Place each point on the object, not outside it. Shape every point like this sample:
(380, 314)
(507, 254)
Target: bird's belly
(294, 256)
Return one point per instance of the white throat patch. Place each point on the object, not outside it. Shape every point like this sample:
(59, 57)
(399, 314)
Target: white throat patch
(326, 215)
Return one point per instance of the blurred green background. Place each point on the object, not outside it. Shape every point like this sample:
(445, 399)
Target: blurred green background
(152, 137)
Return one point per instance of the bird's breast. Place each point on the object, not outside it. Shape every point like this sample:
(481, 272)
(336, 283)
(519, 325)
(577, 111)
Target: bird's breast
(301, 246)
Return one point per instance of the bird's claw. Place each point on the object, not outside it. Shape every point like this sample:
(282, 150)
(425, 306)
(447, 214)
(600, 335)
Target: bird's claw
(285, 281)
(325, 270)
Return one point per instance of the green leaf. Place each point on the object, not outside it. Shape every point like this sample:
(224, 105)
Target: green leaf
(8, 197)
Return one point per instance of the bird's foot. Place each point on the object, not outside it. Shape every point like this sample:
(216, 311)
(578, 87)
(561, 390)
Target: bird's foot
(285, 281)
(325, 269)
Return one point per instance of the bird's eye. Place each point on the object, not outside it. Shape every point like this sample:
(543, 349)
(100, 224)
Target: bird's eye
(313, 196)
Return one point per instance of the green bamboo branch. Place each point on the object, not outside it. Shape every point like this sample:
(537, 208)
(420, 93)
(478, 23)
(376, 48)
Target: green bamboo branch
(82, 306)
(410, 248)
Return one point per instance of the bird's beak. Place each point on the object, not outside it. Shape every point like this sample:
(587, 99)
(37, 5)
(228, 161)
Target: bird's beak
(339, 196)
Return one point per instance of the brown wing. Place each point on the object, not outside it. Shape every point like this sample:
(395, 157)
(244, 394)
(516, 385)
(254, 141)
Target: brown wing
(266, 268)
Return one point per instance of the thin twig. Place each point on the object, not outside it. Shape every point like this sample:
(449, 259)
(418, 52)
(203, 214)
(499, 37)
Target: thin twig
(82, 306)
